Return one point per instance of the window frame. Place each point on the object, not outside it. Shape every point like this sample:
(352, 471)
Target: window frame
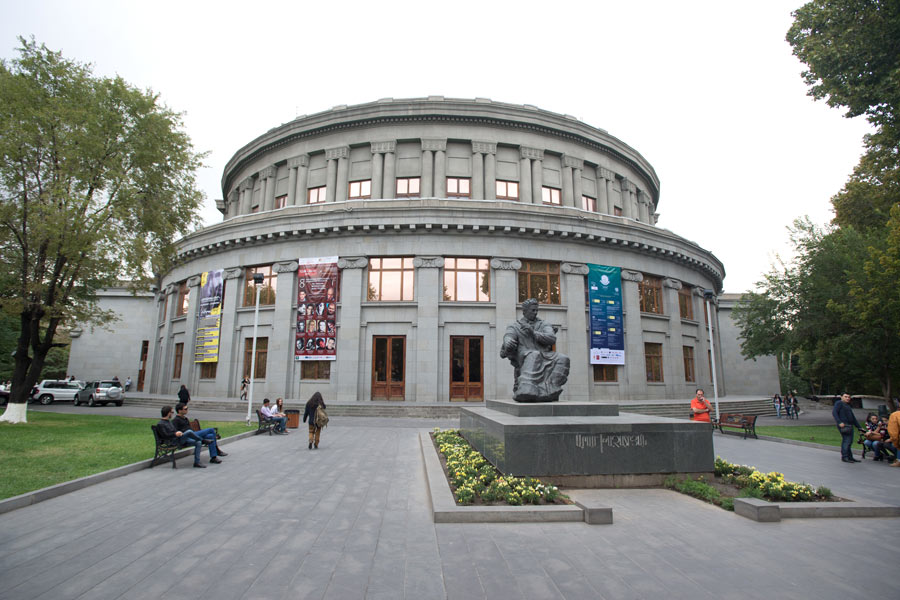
(270, 280)
(601, 373)
(588, 204)
(206, 367)
(318, 366)
(408, 181)
(280, 201)
(262, 356)
(456, 269)
(178, 360)
(183, 305)
(361, 195)
(685, 303)
(505, 194)
(528, 273)
(319, 192)
(653, 362)
(650, 292)
(458, 181)
(690, 366)
(554, 195)
(380, 270)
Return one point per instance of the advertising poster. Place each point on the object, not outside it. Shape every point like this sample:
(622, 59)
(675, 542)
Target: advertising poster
(605, 296)
(209, 317)
(318, 291)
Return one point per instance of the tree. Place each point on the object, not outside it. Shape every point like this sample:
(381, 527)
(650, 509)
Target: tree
(97, 180)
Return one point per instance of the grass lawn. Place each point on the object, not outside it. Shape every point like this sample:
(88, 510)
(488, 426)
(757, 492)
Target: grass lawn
(820, 434)
(52, 448)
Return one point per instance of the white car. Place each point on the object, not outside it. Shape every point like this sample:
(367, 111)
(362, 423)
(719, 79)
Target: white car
(49, 391)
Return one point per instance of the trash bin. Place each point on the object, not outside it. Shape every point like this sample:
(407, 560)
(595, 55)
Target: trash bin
(293, 418)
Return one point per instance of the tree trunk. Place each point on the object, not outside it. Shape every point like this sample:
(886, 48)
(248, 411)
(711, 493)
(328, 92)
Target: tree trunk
(15, 413)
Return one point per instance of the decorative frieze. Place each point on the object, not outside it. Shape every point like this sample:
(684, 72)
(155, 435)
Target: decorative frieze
(233, 272)
(575, 268)
(298, 161)
(267, 172)
(604, 173)
(506, 264)
(434, 144)
(571, 161)
(340, 152)
(428, 262)
(353, 262)
(635, 276)
(532, 153)
(288, 266)
(381, 147)
(247, 184)
(672, 283)
(484, 147)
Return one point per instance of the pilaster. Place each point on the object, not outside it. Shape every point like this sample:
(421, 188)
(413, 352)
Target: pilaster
(297, 180)
(280, 365)
(351, 356)
(190, 334)
(428, 347)
(673, 363)
(228, 373)
(578, 387)
(635, 372)
(377, 173)
(505, 279)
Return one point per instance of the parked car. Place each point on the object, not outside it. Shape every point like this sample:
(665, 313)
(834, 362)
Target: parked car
(49, 391)
(101, 392)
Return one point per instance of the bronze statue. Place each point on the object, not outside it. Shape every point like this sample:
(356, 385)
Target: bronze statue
(540, 373)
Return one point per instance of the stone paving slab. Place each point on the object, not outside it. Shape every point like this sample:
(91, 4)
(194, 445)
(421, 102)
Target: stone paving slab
(352, 520)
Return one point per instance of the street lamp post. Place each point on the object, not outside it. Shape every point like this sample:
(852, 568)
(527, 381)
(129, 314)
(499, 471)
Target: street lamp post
(708, 295)
(257, 282)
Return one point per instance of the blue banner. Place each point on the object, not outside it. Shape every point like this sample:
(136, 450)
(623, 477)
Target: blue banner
(605, 301)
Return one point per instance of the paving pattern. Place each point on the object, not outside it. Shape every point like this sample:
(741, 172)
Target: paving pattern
(351, 520)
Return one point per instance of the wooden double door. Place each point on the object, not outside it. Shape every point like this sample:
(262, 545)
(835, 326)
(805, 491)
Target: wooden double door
(466, 369)
(389, 367)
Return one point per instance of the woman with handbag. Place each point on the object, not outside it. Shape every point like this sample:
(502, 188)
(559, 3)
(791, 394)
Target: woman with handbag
(312, 413)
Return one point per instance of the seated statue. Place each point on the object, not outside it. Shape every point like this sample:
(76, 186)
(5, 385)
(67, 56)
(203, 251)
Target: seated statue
(540, 373)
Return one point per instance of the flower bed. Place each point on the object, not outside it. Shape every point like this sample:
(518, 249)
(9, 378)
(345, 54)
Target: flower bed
(473, 480)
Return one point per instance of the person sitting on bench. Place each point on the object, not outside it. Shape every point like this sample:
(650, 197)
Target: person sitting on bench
(169, 434)
(208, 435)
(270, 415)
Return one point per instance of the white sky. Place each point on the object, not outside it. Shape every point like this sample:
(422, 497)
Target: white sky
(708, 92)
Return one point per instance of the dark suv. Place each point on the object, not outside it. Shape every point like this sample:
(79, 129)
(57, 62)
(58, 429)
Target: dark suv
(101, 392)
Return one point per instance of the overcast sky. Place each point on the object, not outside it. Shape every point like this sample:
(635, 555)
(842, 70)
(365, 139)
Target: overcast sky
(708, 92)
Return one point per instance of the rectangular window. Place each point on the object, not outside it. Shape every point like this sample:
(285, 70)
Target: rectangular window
(176, 363)
(407, 187)
(315, 195)
(539, 280)
(208, 370)
(685, 303)
(550, 195)
(267, 287)
(360, 190)
(315, 369)
(262, 353)
(458, 187)
(390, 279)
(589, 204)
(651, 294)
(617, 210)
(688, 353)
(281, 201)
(255, 209)
(605, 373)
(184, 297)
(467, 280)
(507, 190)
(653, 361)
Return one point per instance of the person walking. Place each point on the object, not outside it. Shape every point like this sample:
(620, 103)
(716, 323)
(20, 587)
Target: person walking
(312, 406)
(245, 386)
(184, 395)
(700, 408)
(845, 420)
(776, 402)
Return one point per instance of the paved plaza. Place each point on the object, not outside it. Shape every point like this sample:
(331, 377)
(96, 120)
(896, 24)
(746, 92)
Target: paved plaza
(351, 520)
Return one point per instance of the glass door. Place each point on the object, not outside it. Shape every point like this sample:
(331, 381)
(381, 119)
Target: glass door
(388, 367)
(466, 366)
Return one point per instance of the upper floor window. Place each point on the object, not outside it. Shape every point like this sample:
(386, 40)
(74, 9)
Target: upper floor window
(685, 305)
(255, 209)
(458, 187)
(589, 204)
(281, 201)
(507, 190)
(550, 195)
(539, 280)
(650, 290)
(605, 373)
(688, 355)
(467, 280)
(177, 360)
(407, 187)
(360, 190)
(262, 357)
(266, 288)
(617, 210)
(391, 279)
(184, 299)
(315, 195)
(208, 370)
(653, 360)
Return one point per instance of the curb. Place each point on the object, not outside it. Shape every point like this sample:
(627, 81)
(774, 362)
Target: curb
(773, 512)
(445, 510)
(60, 489)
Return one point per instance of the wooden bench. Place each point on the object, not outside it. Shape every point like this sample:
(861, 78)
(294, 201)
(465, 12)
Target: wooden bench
(195, 425)
(164, 450)
(264, 424)
(747, 423)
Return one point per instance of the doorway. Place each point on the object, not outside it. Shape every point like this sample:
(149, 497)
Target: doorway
(466, 369)
(389, 367)
(142, 366)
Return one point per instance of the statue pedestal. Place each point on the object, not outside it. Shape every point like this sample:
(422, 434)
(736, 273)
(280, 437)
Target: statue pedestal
(586, 444)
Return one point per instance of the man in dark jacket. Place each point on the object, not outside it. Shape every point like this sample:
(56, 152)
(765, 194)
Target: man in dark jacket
(208, 435)
(184, 395)
(168, 432)
(845, 420)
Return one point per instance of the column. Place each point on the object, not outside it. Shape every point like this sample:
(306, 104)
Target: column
(295, 195)
(270, 187)
(426, 184)
(338, 172)
(537, 179)
(645, 206)
(438, 149)
(246, 196)
(673, 362)
(428, 346)
(578, 386)
(279, 369)
(525, 180)
(576, 187)
(490, 173)
(704, 376)
(343, 175)
(161, 364)
(478, 175)
(190, 333)
(635, 372)
(302, 179)
(233, 207)
(350, 363)
(389, 187)
(626, 204)
(603, 205)
(506, 292)
(377, 172)
(228, 373)
(568, 183)
(330, 179)
(292, 183)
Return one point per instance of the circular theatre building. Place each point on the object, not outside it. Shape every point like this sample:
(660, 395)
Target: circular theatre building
(390, 245)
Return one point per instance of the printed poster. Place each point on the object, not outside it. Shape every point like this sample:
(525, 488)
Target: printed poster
(605, 301)
(209, 317)
(318, 291)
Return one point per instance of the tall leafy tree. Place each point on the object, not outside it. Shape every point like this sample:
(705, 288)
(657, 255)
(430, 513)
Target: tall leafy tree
(97, 178)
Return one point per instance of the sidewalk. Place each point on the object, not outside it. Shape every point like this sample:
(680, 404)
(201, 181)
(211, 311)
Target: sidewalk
(351, 520)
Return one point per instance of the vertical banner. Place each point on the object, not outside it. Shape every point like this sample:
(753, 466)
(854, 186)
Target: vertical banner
(318, 281)
(209, 317)
(605, 300)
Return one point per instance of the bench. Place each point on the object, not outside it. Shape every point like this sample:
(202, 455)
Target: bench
(164, 450)
(195, 425)
(264, 424)
(884, 451)
(747, 423)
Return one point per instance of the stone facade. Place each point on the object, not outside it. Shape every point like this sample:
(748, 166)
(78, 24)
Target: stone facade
(568, 194)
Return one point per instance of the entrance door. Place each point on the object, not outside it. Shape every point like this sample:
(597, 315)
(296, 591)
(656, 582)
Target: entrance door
(466, 366)
(388, 367)
(142, 367)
